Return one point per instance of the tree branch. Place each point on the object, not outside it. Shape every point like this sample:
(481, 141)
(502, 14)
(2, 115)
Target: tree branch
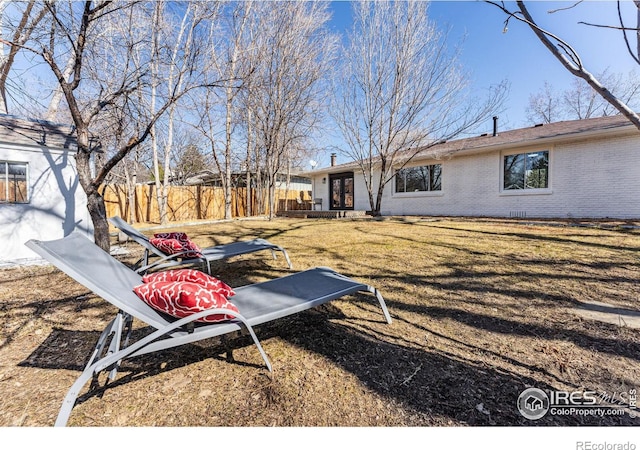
(574, 68)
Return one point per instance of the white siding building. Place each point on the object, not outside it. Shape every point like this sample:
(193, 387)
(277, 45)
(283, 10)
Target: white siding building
(40, 195)
(573, 169)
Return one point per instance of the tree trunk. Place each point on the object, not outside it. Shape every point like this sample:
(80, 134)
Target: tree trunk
(248, 193)
(95, 201)
(376, 211)
(272, 200)
(98, 214)
(167, 167)
(227, 151)
(56, 98)
(287, 186)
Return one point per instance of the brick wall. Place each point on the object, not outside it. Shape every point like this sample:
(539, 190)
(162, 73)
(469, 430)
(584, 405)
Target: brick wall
(594, 178)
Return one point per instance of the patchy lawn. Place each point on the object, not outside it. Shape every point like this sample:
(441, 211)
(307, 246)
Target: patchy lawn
(482, 310)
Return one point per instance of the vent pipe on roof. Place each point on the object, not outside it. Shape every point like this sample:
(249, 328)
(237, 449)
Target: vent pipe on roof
(333, 159)
(495, 125)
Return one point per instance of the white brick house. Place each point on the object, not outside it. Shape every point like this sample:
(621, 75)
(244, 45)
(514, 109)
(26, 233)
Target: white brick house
(573, 169)
(40, 196)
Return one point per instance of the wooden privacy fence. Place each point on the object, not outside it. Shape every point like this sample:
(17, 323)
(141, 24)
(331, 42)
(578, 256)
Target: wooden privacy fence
(193, 202)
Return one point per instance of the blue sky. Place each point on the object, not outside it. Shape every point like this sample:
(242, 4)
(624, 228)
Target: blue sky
(490, 55)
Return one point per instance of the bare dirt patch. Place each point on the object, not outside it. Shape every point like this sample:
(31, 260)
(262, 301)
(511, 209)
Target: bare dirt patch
(482, 310)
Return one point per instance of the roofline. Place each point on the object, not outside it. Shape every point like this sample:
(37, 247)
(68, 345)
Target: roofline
(621, 130)
(37, 133)
(432, 153)
(39, 121)
(37, 148)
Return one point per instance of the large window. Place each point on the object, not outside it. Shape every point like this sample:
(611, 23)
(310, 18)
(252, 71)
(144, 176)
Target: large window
(526, 171)
(419, 179)
(13, 182)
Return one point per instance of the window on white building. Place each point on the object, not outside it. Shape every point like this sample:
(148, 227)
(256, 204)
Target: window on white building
(526, 171)
(419, 179)
(13, 182)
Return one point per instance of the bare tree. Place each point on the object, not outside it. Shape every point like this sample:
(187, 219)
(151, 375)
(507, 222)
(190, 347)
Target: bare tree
(175, 47)
(89, 95)
(400, 90)
(544, 106)
(283, 98)
(29, 17)
(580, 101)
(570, 58)
(234, 68)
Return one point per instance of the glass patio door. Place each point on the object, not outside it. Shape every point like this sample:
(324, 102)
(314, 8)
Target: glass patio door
(341, 194)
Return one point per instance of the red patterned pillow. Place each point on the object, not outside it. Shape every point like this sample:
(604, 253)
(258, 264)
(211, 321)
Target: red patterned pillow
(181, 299)
(173, 235)
(192, 276)
(172, 243)
(168, 246)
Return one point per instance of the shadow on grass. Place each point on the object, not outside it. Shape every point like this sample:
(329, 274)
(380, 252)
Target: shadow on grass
(483, 322)
(433, 383)
(67, 349)
(437, 386)
(565, 239)
(428, 382)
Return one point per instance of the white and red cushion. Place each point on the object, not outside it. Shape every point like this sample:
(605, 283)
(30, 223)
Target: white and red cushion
(172, 243)
(194, 276)
(172, 235)
(182, 298)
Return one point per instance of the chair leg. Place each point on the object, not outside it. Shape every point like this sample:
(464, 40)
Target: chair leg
(284, 253)
(112, 327)
(260, 349)
(71, 397)
(383, 305)
(98, 364)
(125, 329)
(286, 257)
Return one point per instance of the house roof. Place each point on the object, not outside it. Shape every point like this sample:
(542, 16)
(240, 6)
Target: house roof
(541, 134)
(209, 176)
(16, 130)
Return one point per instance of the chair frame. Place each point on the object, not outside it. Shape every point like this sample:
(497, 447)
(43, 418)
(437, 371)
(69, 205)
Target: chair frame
(209, 254)
(110, 279)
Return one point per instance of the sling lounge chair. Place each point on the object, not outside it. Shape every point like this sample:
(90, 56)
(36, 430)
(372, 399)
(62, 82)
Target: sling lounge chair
(208, 254)
(108, 278)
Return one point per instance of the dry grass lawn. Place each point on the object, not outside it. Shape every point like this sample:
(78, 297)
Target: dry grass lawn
(482, 310)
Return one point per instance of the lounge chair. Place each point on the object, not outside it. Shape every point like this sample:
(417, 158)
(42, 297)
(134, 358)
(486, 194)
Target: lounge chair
(108, 278)
(209, 254)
